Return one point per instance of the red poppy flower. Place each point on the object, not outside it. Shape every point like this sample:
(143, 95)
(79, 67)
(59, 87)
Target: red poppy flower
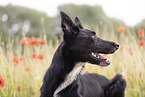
(34, 55)
(19, 88)
(141, 42)
(121, 29)
(42, 42)
(27, 68)
(16, 60)
(22, 58)
(41, 56)
(141, 32)
(24, 40)
(33, 41)
(2, 81)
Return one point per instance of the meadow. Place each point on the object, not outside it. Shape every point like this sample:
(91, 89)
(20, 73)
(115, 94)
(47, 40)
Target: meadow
(23, 65)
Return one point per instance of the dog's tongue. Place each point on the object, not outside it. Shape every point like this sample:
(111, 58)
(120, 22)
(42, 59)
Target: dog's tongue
(98, 56)
(107, 60)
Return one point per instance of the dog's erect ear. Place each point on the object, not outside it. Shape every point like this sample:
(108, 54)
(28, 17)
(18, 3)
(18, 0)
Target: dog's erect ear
(67, 24)
(78, 22)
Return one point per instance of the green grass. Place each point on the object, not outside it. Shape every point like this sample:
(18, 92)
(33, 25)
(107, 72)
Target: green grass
(129, 60)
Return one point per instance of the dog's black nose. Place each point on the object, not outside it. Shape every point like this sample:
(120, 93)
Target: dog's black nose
(117, 45)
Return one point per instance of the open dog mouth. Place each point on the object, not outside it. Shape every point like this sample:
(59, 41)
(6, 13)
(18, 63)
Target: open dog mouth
(103, 61)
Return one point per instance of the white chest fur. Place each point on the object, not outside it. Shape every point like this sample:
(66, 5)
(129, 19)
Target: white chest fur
(69, 78)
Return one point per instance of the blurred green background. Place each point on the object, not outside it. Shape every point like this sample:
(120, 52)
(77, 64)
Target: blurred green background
(21, 21)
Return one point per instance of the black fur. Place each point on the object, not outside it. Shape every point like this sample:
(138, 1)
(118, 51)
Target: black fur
(77, 46)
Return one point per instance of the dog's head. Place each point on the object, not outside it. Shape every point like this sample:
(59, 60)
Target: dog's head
(84, 44)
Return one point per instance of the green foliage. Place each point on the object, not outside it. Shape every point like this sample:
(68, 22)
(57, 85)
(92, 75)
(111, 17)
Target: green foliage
(128, 59)
(21, 17)
(39, 23)
(90, 15)
(140, 25)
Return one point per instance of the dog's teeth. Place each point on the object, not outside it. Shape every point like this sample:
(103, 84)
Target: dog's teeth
(94, 54)
(108, 61)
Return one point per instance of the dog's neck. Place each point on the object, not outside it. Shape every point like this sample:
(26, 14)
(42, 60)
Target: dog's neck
(70, 78)
(62, 72)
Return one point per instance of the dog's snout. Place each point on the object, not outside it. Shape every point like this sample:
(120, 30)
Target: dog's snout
(117, 45)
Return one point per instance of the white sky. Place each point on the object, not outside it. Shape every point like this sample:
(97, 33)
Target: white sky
(130, 11)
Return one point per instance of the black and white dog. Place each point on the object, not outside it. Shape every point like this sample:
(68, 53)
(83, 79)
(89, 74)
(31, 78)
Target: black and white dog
(64, 78)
